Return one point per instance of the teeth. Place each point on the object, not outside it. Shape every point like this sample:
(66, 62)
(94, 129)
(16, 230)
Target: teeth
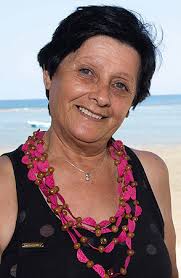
(87, 112)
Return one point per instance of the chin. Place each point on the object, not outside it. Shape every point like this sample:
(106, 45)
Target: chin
(86, 136)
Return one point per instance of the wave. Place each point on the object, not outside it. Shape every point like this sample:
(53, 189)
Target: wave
(37, 124)
(24, 109)
(158, 106)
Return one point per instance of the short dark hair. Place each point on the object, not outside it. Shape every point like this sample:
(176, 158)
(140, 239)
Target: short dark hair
(113, 21)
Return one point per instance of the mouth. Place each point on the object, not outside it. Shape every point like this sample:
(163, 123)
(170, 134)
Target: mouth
(89, 113)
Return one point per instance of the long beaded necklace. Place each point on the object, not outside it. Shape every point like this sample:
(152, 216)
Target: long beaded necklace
(129, 209)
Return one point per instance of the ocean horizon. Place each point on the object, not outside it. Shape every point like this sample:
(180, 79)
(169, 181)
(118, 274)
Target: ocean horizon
(43, 102)
(156, 121)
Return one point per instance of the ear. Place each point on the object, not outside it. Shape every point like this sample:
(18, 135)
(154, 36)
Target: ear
(46, 79)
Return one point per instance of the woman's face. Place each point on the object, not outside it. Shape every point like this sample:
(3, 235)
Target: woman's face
(93, 89)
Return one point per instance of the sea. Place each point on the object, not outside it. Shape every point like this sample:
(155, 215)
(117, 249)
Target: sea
(156, 121)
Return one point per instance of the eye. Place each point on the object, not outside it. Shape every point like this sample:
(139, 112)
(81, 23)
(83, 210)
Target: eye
(120, 86)
(85, 71)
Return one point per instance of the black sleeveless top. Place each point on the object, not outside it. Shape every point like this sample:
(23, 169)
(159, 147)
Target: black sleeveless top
(57, 259)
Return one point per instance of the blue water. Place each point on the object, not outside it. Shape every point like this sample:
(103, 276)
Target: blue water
(23, 103)
(156, 121)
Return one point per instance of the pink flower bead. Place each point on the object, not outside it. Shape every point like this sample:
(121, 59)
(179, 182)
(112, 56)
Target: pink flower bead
(43, 166)
(109, 247)
(119, 220)
(25, 147)
(104, 223)
(89, 221)
(131, 225)
(127, 261)
(121, 167)
(32, 174)
(122, 237)
(49, 181)
(138, 210)
(99, 269)
(37, 154)
(120, 211)
(118, 144)
(128, 177)
(81, 256)
(128, 242)
(106, 230)
(128, 209)
(25, 159)
(40, 148)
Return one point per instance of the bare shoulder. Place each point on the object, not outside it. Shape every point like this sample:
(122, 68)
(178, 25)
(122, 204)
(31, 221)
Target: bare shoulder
(157, 174)
(151, 161)
(8, 202)
(158, 177)
(5, 165)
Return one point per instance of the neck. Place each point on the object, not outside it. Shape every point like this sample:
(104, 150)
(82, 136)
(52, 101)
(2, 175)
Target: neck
(80, 153)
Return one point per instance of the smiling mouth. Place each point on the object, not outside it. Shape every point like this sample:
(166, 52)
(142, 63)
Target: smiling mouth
(89, 113)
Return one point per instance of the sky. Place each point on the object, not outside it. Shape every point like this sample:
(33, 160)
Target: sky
(26, 26)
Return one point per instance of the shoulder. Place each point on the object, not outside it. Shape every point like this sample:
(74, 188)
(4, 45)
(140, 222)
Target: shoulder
(8, 201)
(6, 174)
(151, 162)
(7, 179)
(157, 174)
(158, 177)
(5, 165)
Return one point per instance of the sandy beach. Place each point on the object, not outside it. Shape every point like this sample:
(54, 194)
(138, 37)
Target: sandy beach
(171, 156)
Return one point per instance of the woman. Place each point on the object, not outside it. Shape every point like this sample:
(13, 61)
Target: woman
(75, 202)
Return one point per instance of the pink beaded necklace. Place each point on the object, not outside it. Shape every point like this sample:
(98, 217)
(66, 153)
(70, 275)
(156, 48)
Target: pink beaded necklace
(42, 174)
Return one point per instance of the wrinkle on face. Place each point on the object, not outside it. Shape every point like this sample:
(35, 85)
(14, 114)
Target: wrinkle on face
(96, 56)
(111, 61)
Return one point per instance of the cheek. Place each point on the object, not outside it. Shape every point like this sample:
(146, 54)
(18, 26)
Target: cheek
(120, 109)
(71, 90)
(122, 105)
(78, 88)
(57, 104)
(58, 94)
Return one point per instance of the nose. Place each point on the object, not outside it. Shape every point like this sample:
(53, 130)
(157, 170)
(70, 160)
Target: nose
(101, 95)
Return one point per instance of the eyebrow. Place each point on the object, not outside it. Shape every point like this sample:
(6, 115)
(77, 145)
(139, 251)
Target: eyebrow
(124, 74)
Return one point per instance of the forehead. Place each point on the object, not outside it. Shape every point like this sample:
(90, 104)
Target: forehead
(102, 43)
